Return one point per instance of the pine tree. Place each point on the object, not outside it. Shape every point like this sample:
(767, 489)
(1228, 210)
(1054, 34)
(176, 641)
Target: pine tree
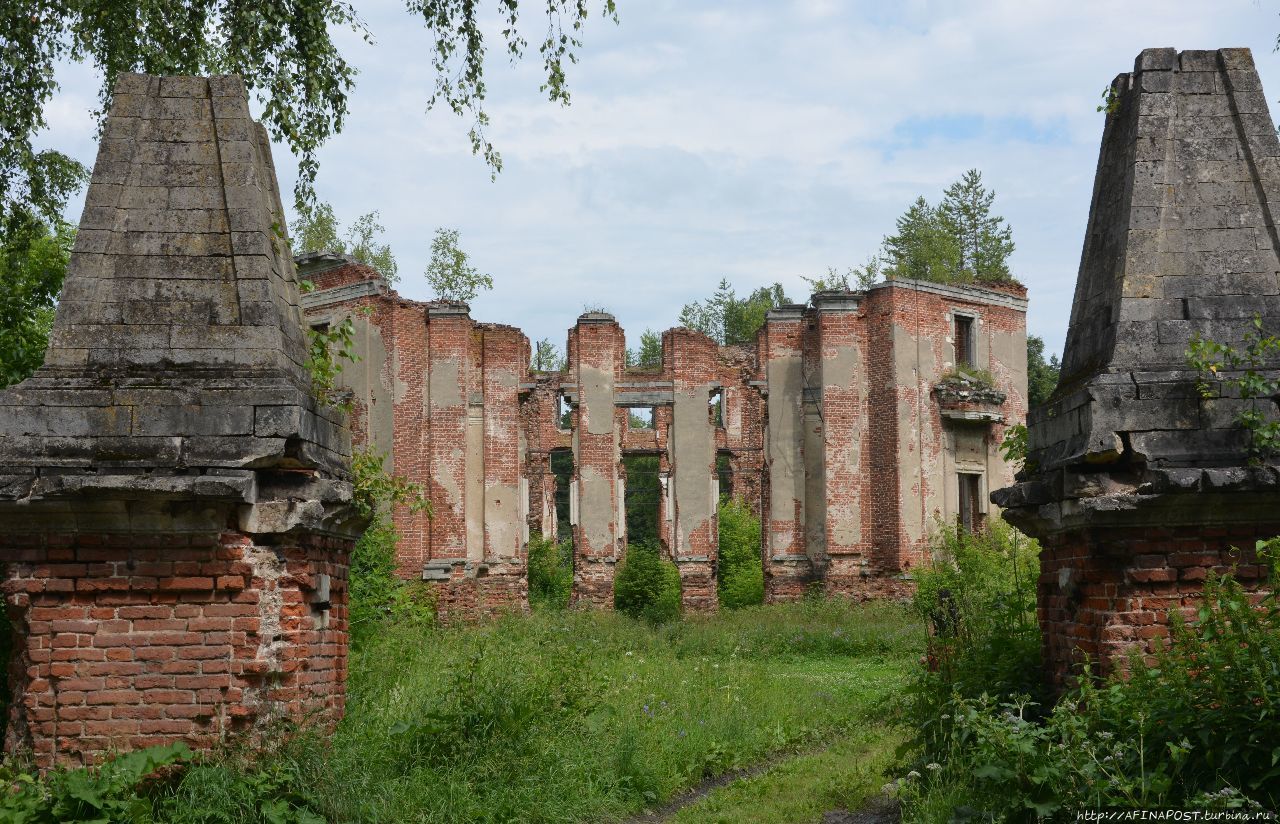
(985, 241)
(924, 247)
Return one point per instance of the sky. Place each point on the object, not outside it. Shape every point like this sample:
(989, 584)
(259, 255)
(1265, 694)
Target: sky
(753, 140)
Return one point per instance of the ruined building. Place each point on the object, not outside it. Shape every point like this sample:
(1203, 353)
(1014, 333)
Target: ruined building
(1135, 485)
(845, 425)
(175, 514)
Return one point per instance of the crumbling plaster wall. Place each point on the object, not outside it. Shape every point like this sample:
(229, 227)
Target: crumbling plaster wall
(830, 426)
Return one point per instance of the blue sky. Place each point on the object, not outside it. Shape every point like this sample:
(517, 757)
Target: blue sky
(756, 141)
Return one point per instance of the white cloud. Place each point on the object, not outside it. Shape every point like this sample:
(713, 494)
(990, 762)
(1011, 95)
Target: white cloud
(757, 141)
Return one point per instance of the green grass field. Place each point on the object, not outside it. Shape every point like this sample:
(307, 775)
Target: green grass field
(591, 716)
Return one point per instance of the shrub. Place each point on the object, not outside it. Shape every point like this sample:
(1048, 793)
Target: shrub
(550, 572)
(646, 585)
(1196, 727)
(979, 597)
(741, 572)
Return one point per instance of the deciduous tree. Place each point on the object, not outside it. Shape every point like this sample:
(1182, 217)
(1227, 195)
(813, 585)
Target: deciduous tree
(1042, 375)
(728, 319)
(317, 230)
(450, 272)
(285, 50)
(33, 261)
(547, 357)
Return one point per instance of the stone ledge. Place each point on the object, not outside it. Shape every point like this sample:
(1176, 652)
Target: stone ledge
(1065, 500)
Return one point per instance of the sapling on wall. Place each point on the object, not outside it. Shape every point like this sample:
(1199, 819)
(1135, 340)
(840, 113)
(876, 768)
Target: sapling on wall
(1243, 370)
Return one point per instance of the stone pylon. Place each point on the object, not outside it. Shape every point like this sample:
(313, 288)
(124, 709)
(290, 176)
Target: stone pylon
(1136, 486)
(175, 514)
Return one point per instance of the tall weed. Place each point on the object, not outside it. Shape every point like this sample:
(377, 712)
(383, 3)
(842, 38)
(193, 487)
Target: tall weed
(558, 716)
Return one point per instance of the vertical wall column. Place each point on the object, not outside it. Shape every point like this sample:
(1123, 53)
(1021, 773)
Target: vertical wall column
(598, 349)
(691, 452)
(448, 337)
(787, 569)
(918, 447)
(841, 381)
(506, 358)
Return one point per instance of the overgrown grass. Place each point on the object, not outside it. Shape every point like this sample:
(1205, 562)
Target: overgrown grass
(580, 716)
(847, 775)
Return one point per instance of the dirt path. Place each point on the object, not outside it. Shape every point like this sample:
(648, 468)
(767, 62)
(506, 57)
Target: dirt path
(704, 789)
(876, 811)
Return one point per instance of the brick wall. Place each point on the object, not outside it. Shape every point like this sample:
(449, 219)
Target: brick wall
(129, 640)
(596, 355)
(831, 426)
(1103, 593)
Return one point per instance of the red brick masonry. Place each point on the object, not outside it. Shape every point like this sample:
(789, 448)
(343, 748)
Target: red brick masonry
(126, 641)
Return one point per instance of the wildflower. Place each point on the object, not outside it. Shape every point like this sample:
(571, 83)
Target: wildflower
(1105, 736)
(933, 766)
(913, 774)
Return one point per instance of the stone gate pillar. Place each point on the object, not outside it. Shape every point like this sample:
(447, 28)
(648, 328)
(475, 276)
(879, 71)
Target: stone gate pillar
(175, 514)
(1137, 487)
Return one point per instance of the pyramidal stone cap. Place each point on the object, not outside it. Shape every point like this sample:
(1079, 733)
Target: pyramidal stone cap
(1181, 241)
(178, 342)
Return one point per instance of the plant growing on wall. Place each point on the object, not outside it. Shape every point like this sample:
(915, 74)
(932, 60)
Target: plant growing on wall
(317, 230)
(1246, 367)
(728, 319)
(547, 357)
(450, 273)
(957, 241)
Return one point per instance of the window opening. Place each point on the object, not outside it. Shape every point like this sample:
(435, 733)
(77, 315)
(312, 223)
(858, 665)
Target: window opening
(641, 496)
(564, 413)
(964, 340)
(640, 417)
(724, 473)
(715, 408)
(562, 469)
(969, 516)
